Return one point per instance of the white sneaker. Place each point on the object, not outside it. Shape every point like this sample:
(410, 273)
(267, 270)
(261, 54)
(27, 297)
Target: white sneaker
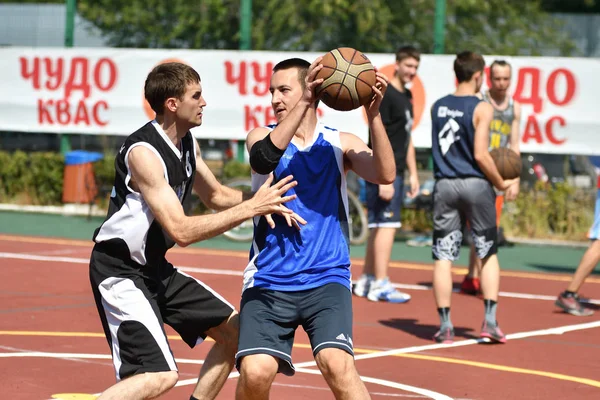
(361, 287)
(382, 290)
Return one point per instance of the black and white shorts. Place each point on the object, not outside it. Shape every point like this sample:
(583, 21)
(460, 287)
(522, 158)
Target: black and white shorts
(134, 301)
(269, 319)
(458, 200)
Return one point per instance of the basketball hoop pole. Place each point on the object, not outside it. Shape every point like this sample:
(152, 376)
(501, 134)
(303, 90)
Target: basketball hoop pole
(71, 7)
(439, 27)
(245, 44)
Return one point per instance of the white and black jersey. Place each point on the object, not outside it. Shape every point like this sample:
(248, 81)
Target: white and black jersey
(130, 231)
(135, 288)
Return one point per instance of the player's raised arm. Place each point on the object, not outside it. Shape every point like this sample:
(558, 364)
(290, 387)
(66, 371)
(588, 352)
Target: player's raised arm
(266, 150)
(148, 178)
(376, 165)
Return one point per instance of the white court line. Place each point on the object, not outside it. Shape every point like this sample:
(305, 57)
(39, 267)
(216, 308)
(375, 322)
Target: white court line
(414, 349)
(430, 394)
(230, 272)
(74, 260)
(512, 336)
(502, 294)
(45, 354)
(407, 388)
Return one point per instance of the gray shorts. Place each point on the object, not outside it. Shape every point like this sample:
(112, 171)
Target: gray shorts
(269, 319)
(456, 201)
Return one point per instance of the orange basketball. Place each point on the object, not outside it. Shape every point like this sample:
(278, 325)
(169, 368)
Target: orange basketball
(348, 77)
(508, 162)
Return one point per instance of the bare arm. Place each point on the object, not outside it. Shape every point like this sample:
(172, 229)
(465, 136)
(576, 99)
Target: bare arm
(482, 118)
(515, 133)
(411, 163)
(212, 193)
(376, 165)
(148, 178)
(515, 140)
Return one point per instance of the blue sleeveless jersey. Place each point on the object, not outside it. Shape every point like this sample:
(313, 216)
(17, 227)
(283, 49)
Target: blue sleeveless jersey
(453, 137)
(287, 259)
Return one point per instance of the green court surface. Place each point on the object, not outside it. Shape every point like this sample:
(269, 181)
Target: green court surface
(533, 258)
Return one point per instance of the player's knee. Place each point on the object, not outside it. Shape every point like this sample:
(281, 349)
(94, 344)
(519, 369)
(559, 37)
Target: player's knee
(258, 370)
(231, 331)
(161, 382)
(335, 363)
(227, 333)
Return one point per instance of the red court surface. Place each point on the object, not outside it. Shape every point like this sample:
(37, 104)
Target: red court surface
(52, 345)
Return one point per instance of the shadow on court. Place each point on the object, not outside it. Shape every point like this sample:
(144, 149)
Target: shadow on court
(424, 331)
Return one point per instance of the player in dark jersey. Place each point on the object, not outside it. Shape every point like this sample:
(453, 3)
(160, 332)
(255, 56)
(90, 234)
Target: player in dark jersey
(504, 132)
(136, 289)
(302, 277)
(465, 176)
(384, 202)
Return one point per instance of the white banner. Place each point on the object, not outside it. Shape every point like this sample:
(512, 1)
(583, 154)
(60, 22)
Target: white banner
(100, 91)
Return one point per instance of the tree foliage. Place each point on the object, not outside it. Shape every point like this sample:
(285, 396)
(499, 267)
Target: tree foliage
(510, 27)
(572, 6)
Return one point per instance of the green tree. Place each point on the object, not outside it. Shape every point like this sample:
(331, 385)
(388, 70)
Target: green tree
(510, 27)
(572, 6)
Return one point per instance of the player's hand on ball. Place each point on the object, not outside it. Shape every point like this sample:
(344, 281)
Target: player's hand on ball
(507, 183)
(378, 91)
(311, 83)
(513, 191)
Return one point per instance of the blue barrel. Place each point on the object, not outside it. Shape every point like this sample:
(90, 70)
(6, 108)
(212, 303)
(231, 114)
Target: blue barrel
(78, 157)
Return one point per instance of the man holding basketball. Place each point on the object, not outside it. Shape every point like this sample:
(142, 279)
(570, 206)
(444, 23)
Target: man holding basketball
(465, 176)
(504, 133)
(385, 201)
(302, 276)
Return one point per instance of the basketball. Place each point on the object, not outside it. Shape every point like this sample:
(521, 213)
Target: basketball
(508, 162)
(348, 77)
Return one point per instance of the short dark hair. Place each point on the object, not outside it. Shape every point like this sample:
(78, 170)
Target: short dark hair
(500, 63)
(467, 64)
(168, 80)
(405, 52)
(298, 63)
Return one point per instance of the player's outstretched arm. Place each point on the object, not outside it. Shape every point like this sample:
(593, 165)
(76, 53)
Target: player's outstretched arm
(482, 118)
(147, 178)
(214, 194)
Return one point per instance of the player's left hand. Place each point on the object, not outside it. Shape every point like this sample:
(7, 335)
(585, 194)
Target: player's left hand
(414, 186)
(379, 89)
(513, 191)
(292, 219)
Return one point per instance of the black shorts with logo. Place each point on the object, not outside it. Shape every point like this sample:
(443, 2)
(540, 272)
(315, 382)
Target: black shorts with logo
(269, 319)
(134, 301)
